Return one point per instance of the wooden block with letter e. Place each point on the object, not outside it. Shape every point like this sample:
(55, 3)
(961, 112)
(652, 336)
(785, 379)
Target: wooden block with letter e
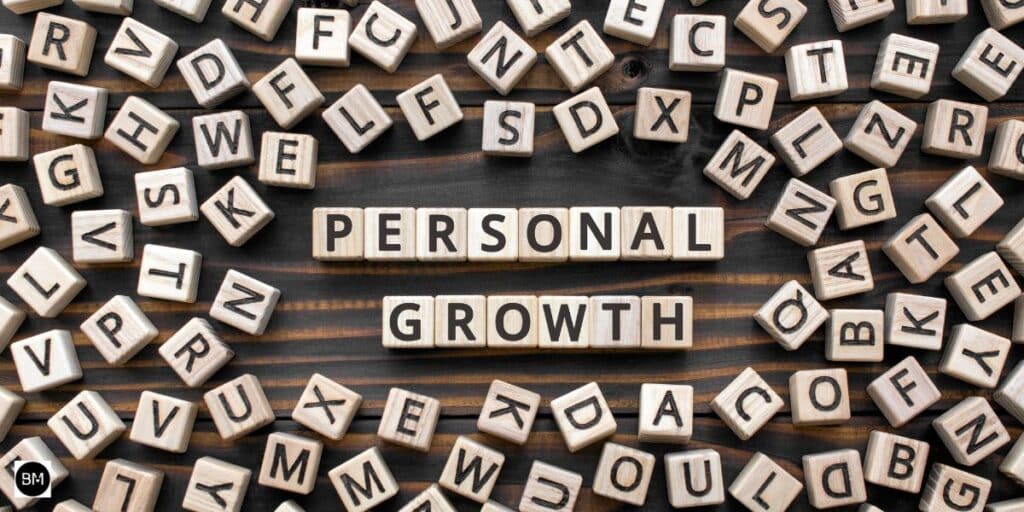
(321, 37)
(971, 430)
(349, 477)
(930, 12)
(662, 115)
(768, 28)
(1002, 14)
(195, 352)
(855, 335)
(850, 14)
(409, 419)
(127, 485)
(764, 485)
(389, 234)
(739, 165)
(914, 321)
(949, 488)
(583, 416)
(119, 330)
(633, 21)
(585, 119)
(840, 270)
(472, 469)
(163, 422)
(290, 463)
(508, 412)
(579, 56)
(964, 202)
(261, 18)
(141, 130)
(747, 404)
(212, 73)
(746, 99)
(14, 133)
(508, 128)
(166, 196)
(666, 413)
(903, 392)
(863, 198)
(383, 36)
(895, 461)
(101, 236)
(288, 160)
(549, 488)
(431, 500)
(449, 21)
(880, 134)
(86, 425)
(697, 43)
(816, 70)
(806, 141)
(357, 118)
(920, 248)
(975, 356)
(17, 218)
(954, 129)
(624, 474)
(223, 140)
(1007, 156)
(983, 286)
(819, 397)
(45, 361)
(534, 16)
(430, 107)
(694, 478)
(791, 315)
(67, 175)
(990, 65)
(216, 486)
(29, 449)
(237, 212)
(169, 273)
(46, 282)
(905, 66)
(239, 407)
(288, 93)
(62, 44)
(75, 110)
(12, 63)
(502, 58)
(834, 479)
(327, 407)
(141, 52)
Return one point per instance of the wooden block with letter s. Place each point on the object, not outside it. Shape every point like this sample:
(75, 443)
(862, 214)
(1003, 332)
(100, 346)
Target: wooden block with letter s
(768, 28)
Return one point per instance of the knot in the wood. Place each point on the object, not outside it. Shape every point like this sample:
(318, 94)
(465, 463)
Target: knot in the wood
(634, 67)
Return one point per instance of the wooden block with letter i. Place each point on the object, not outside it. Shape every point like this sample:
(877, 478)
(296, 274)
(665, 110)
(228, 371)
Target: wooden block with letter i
(983, 286)
(954, 129)
(212, 73)
(141, 52)
(633, 21)
(950, 489)
(223, 140)
(806, 141)
(549, 488)
(666, 413)
(819, 397)
(141, 130)
(126, 485)
(470, 458)
(288, 160)
(840, 270)
(855, 335)
(119, 330)
(169, 273)
(895, 462)
(579, 56)
(930, 12)
(409, 419)
(747, 404)
(1007, 157)
(261, 18)
(17, 218)
(326, 407)
(1002, 14)
(990, 65)
(585, 119)
(905, 66)
(239, 407)
(880, 134)
(75, 110)
(508, 412)
(321, 37)
(62, 44)
(583, 417)
(357, 119)
(163, 422)
(195, 352)
(914, 321)
(863, 198)
(791, 315)
(288, 93)
(46, 282)
(502, 58)
(67, 175)
(694, 478)
(508, 128)
(348, 480)
(975, 356)
(971, 430)
(290, 463)
(768, 28)
(746, 99)
(244, 303)
(431, 500)
(964, 202)
(739, 165)
(816, 70)
(12, 62)
(216, 486)
(86, 425)
(534, 16)
(430, 107)
(383, 36)
(237, 212)
(14, 133)
(624, 474)
(834, 479)
(850, 14)
(166, 197)
(449, 21)
(697, 43)
(662, 115)
(763, 485)
(903, 392)
(101, 236)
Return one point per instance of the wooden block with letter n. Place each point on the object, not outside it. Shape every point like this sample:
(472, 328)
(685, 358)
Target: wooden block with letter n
(327, 407)
(583, 417)
(964, 202)
(508, 412)
(321, 37)
(662, 115)
(141, 130)
(288, 160)
(791, 315)
(880, 134)
(746, 99)
(244, 303)
(169, 273)
(920, 248)
(237, 212)
(14, 133)
(449, 21)
(409, 419)
(971, 430)
(290, 463)
(768, 28)
(990, 65)
(45, 361)
(431, 500)
(17, 218)
(579, 56)
(101, 236)
(905, 66)
(951, 489)
(903, 392)
(694, 478)
(364, 481)
(930, 12)
(585, 119)
(212, 73)
(764, 485)
(46, 282)
(430, 107)
(126, 485)
(288, 93)
(975, 356)
(747, 404)
(1003, 13)
(29, 449)
(895, 462)
(624, 474)
(863, 198)
(62, 44)
(141, 52)
(472, 469)
(954, 129)
(739, 165)
(855, 335)
(75, 110)
(806, 142)
(239, 407)
(166, 197)
(666, 413)
(819, 397)
(502, 58)
(383, 36)
(86, 425)
(163, 422)
(216, 486)
(633, 21)
(67, 175)
(357, 119)
(850, 14)
(697, 43)
(223, 140)
(261, 18)
(983, 286)
(549, 489)
(914, 321)
(12, 63)
(534, 16)
(816, 70)
(840, 270)
(834, 479)
(508, 128)
(594, 233)
(1007, 157)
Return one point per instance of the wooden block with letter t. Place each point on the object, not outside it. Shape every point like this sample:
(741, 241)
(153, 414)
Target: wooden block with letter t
(102, 236)
(549, 488)
(819, 397)
(17, 218)
(223, 140)
(950, 489)
(141, 52)
(12, 62)
(141, 130)
(288, 160)
(383, 36)
(666, 413)
(169, 273)
(1002, 14)
(216, 486)
(895, 461)
(62, 44)
(834, 479)
(167, 196)
(840, 270)
(850, 14)
(244, 303)
(662, 115)
(983, 286)
(357, 119)
(585, 119)
(321, 37)
(212, 74)
(903, 392)
(806, 141)
(126, 485)
(239, 407)
(764, 485)
(349, 477)
(791, 315)
(409, 419)
(472, 469)
(260, 17)
(508, 128)
(633, 21)
(75, 110)
(855, 335)
(46, 282)
(768, 28)
(290, 463)
(86, 425)
(583, 416)
(195, 352)
(1007, 156)
(508, 412)
(863, 198)
(697, 43)
(746, 99)
(905, 66)
(502, 58)
(288, 93)
(954, 129)
(816, 70)
(163, 422)
(14, 133)
(747, 404)
(534, 16)
(430, 107)
(237, 212)
(914, 321)
(920, 248)
(971, 430)
(579, 56)
(990, 65)
(67, 175)
(739, 165)
(931, 12)
(449, 21)
(327, 407)
(880, 134)
(975, 356)
(964, 202)
(119, 330)
(45, 361)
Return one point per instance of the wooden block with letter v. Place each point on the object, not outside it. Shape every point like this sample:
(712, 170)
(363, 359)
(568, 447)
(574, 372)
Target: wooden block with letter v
(237, 212)
(141, 130)
(239, 407)
(840, 270)
(46, 282)
(216, 486)
(62, 44)
(290, 463)
(45, 361)
(102, 236)
(141, 52)
(983, 286)
(163, 422)
(409, 419)
(127, 485)
(288, 93)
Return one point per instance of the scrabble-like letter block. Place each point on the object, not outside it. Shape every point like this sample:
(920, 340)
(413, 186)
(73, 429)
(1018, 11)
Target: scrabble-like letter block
(126, 485)
(747, 404)
(239, 407)
(216, 486)
(583, 416)
(895, 462)
(409, 419)
(903, 392)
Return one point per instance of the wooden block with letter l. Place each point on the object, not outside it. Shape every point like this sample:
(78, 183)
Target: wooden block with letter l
(430, 107)
(195, 352)
(549, 488)
(1002, 13)
(141, 52)
(431, 500)
(86, 425)
(67, 175)
(75, 110)
(863, 198)
(983, 286)
(212, 74)
(747, 404)
(288, 93)
(502, 58)
(535, 16)
(29, 449)
(449, 21)
(261, 18)
(1007, 157)
(14, 133)
(662, 115)
(1010, 394)
(633, 21)
(697, 43)
(383, 36)
(579, 56)
(442, 234)
(920, 248)
(764, 485)
(666, 413)
(806, 142)
(244, 303)
(646, 232)
(840, 270)
(903, 392)
(508, 412)
(819, 397)
(905, 66)
(17, 218)
(45, 361)
(971, 430)
(364, 481)
(990, 65)
(954, 129)
(699, 234)
(46, 282)
(624, 474)
(62, 44)
(850, 14)
(834, 479)
(163, 422)
(288, 160)
(290, 463)
(791, 315)
(880, 134)
(223, 140)
(583, 417)
(931, 12)
(119, 330)
(239, 407)
(855, 335)
(169, 273)
(585, 119)
(12, 62)
(964, 202)
(237, 212)
(357, 119)
(216, 486)
(951, 489)
(141, 130)
(816, 70)
(508, 128)
(768, 28)
(321, 37)
(407, 322)
(739, 165)
(694, 478)
(127, 485)
(975, 356)
(327, 407)
(409, 419)
(895, 461)
(101, 236)
(914, 321)
(166, 197)
(472, 469)
(746, 99)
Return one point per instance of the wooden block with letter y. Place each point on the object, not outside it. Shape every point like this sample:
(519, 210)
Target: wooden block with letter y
(216, 486)
(975, 356)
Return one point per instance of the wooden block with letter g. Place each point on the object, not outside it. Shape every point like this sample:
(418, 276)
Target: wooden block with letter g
(141, 52)
(624, 474)
(67, 175)
(747, 404)
(579, 56)
(950, 489)
(971, 430)
(62, 44)
(141, 130)
(290, 463)
(216, 486)
(840, 270)
(548, 488)
(288, 93)
(46, 282)
(409, 419)
(239, 407)
(127, 485)
(983, 286)
(502, 58)
(863, 198)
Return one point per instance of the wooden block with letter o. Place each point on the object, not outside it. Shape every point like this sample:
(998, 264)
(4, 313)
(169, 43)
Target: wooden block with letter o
(903, 392)
(212, 74)
(543, 234)
(75, 110)
(746, 99)
(216, 485)
(261, 19)
(239, 407)
(840, 270)
(880, 134)
(472, 469)
(895, 461)
(697, 43)
(662, 115)
(954, 129)
(237, 212)
(357, 118)
(971, 430)
(163, 422)
(127, 485)
(624, 474)
(288, 160)
(920, 248)
(983, 286)
(290, 463)
(975, 356)
(141, 52)
(548, 488)
(67, 175)
(86, 425)
(747, 404)
(579, 56)
(62, 44)
(141, 130)
(502, 58)
(349, 477)
(510, 321)
(383, 36)
(768, 28)
(819, 397)
(46, 282)
(1007, 156)
(409, 419)
(905, 66)
(583, 417)
(816, 70)
(195, 352)
(739, 165)
(863, 198)
(585, 119)
(288, 93)
(806, 142)
(834, 479)
(764, 485)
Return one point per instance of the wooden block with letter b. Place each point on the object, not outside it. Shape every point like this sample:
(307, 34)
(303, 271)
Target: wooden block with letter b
(239, 407)
(46, 282)
(383, 36)
(579, 56)
(983, 286)
(321, 37)
(409, 419)
(288, 93)
(585, 119)
(212, 74)
(449, 21)
(855, 335)
(357, 118)
(840, 270)
(905, 66)
(895, 461)
(141, 52)
(880, 134)
(86, 425)
(806, 141)
(502, 58)
(662, 115)
(971, 430)
(739, 165)
(75, 110)
(990, 65)
(141, 130)
(62, 44)
(624, 474)
(290, 462)
(747, 404)
(768, 28)
(954, 129)
(746, 99)
(816, 70)
(261, 19)
(697, 43)
(163, 422)
(17, 218)
(508, 128)
(127, 485)
(430, 107)
(237, 212)
(216, 486)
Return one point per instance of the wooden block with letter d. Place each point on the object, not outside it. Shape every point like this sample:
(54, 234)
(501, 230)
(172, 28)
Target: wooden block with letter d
(624, 474)
(212, 74)
(508, 128)
(983, 286)
(840, 270)
(583, 416)
(502, 58)
(472, 469)
(141, 130)
(127, 485)
(971, 430)
(216, 485)
(585, 119)
(290, 463)
(764, 485)
(409, 419)
(834, 479)
(62, 44)
(288, 93)
(768, 28)
(579, 56)
(954, 129)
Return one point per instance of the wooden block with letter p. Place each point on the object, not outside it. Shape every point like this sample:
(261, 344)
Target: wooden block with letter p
(508, 128)
(321, 37)
(931, 12)
(840, 270)
(62, 44)
(954, 129)
(816, 70)
(261, 18)
(951, 489)
(288, 160)
(101, 236)
(46, 282)
(163, 422)
(633, 21)
(764, 485)
(697, 43)
(326, 407)
(290, 463)
(119, 330)
(747, 404)
(357, 118)
(768, 28)
(903, 392)
(983, 286)
(806, 142)
(990, 65)
(971, 430)
(905, 66)
(237, 212)
(819, 397)
(549, 488)
(834, 479)
(216, 486)
(850, 14)
(212, 74)
(17, 218)
(579, 56)
(349, 478)
(863, 198)
(1002, 14)
(166, 197)
(508, 412)
(662, 115)
(141, 52)
(739, 165)
(75, 110)
(383, 36)
(338, 234)
(855, 335)
(583, 416)
(895, 461)
(239, 407)
(502, 58)
(449, 21)
(126, 485)
(195, 352)
(746, 99)
(86, 425)
(430, 107)
(585, 119)
(67, 175)
(223, 140)
(791, 315)
(975, 356)
(964, 202)
(880, 134)
(666, 413)
(12, 62)
(244, 303)
(472, 469)
(288, 93)
(534, 16)
(409, 419)
(141, 130)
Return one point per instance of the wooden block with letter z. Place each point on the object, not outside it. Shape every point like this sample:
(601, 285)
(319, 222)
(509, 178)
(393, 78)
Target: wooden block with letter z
(903, 392)
(971, 430)
(237, 212)
(288, 93)
(244, 303)
(834, 479)
(472, 469)
(764, 485)
(290, 463)
(223, 140)
(975, 356)
(216, 486)
(624, 474)
(585, 119)
(383, 36)
(141, 52)
(17, 218)
(46, 282)
(364, 481)
(126, 485)
(816, 70)
(508, 128)
(549, 488)
(746, 99)
(895, 462)
(905, 66)
(239, 407)
(409, 419)
(990, 65)
(747, 404)
(697, 43)
(288, 160)
(840, 270)
(62, 44)
(75, 110)
(430, 107)
(579, 56)
(863, 198)
(806, 141)
(950, 489)
(739, 165)
(261, 18)
(212, 74)
(880, 134)
(141, 130)
(583, 417)
(195, 352)
(502, 58)
(86, 425)
(662, 115)
(102, 236)
(770, 27)
(983, 286)
(163, 422)
(954, 129)
(67, 175)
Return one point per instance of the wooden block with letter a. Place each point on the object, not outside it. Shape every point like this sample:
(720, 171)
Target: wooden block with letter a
(17, 218)
(834, 479)
(126, 485)
(666, 413)
(549, 488)
(290, 463)
(502, 58)
(624, 474)
(62, 44)
(880, 134)
(697, 43)
(288, 160)
(288, 93)
(747, 404)
(141, 52)
(141, 130)
(905, 66)
(903, 392)
(163, 422)
(409, 419)
(357, 118)
(212, 73)
(662, 115)
(579, 56)
(583, 416)
(971, 430)
(349, 477)
(237, 212)
(46, 282)
(261, 19)
(239, 407)
(739, 165)
(954, 129)
(585, 119)
(75, 110)
(895, 461)
(216, 486)
(746, 99)
(840, 270)
(764, 485)
(508, 128)
(768, 28)
(472, 469)
(383, 36)
(646, 232)
(983, 286)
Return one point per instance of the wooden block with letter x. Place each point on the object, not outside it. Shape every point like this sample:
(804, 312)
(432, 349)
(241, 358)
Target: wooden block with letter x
(237, 212)
(67, 175)
(86, 425)
(327, 407)
(141, 130)
(195, 352)
(141, 52)
(261, 18)
(579, 56)
(975, 356)
(288, 93)
(983, 286)
(746, 99)
(549, 488)
(971, 430)
(662, 115)
(739, 165)
(880, 134)
(840, 270)
(163, 422)
(101, 236)
(383, 36)
(449, 21)
(502, 58)
(212, 73)
(409, 419)
(954, 129)
(806, 141)
(62, 44)
(472, 469)
(75, 110)
(239, 407)
(119, 330)
(905, 66)
(768, 28)
(290, 462)
(357, 118)
(17, 218)
(747, 404)
(126, 485)
(46, 282)
(216, 486)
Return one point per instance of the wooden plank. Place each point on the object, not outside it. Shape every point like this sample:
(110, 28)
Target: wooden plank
(634, 67)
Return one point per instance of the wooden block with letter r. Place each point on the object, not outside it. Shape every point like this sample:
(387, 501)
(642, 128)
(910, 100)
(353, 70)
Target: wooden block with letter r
(195, 352)
(954, 129)
(62, 44)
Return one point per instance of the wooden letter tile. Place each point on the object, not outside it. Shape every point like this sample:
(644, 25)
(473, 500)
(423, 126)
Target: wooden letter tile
(863, 198)
(971, 430)
(383, 36)
(950, 489)
(364, 481)
(666, 415)
(194, 10)
(583, 417)
(86, 425)
(126, 485)
(223, 140)
(119, 7)
(579, 56)
(746, 99)
(905, 66)
(357, 118)
(895, 462)
(747, 404)
(834, 479)
(632, 20)
(338, 234)
(14, 133)
(45, 361)
(964, 202)
(449, 21)
(534, 16)
(543, 234)
(840, 270)
(694, 478)
(1015, 505)
(614, 321)
(62, 44)
(666, 322)
(983, 286)
(430, 107)
(880, 134)
(195, 352)
(565, 324)
(769, 27)
(920, 248)
(75, 110)
(662, 115)
(1010, 394)
(68, 506)
(260, 17)
(594, 233)
(212, 73)
(508, 412)
(975, 356)
(321, 37)
(17, 218)
(646, 233)
(699, 234)
(46, 282)
(12, 62)
(327, 407)
(409, 419)
(855, 335)
(508, 128)
(141, 52)
(930, 12)
(903, 392)
(460, 320)
(806, 141)
(431, 500)
(29, 449)
(244, 303)
(239, 407)
(407, 322)
(816, 70)
(166, 197)
(819, 397)
(850, 14)
(237, 212)
(990, 65)
(389, 234)
(1002, 14)
(472, 469)
(288, 160)
(101, 236)
(493, 234)
(442, 234)
(287, 92)
(914, 321)
(763, 485)
(624, 474)
(11, 318)
(697, 43)
(1018, 320)
(1007, 156)
(169, 273)
(954, 129)
(216, 486)
(585, 119)
(290, 463)
(549, 489)
(512, 321)
(119, 329)
(163, 422)
(141, 130)
(10, 407)
(791, 315)
(1013, 464)
(739, 165)
(67, 175)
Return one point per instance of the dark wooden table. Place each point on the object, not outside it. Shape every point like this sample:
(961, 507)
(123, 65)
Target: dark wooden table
(329, 315)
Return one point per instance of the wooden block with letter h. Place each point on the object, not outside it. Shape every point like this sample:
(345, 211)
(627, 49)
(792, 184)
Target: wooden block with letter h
(212, 73)
(127, 485)
(86, 425)
(261, 18)
(141, 52)
(472, 469)
(216, 485)
(290, 463)
(141, 130)
(75, 110)
(163, 422)
(840, 270)
(764, 485)
(288, 93)
(579, 56)
(46, 282)
(237, 212)
(327, 407)
(549, 488)
(971, 430)
(239, 407)
(583, 417)
(770, 27)
(903, 392)
(624, 474)
(983, 286)
(747, 404)
(62, 44)
(409, 419)
(288, 160)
